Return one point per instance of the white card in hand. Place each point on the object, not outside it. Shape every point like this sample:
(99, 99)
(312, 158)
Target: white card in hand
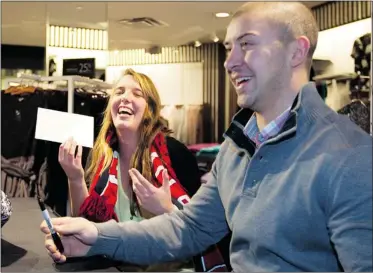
(59, 126)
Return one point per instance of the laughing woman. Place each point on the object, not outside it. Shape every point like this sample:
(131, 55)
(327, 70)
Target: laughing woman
(132, 157)
(132, 136)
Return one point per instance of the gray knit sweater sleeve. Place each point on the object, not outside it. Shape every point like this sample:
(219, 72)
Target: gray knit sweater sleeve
(167, 237)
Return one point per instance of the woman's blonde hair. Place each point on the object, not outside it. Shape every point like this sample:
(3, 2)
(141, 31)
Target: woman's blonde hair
(152, 123)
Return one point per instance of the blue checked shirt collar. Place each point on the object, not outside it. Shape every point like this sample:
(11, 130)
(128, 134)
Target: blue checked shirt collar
(251, 129)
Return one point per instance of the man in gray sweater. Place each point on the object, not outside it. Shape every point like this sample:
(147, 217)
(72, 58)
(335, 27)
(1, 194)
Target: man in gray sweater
(292, 181)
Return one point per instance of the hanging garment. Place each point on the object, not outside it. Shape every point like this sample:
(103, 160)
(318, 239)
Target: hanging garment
(19, 148)
(55, 187)
(175, 115)
(17, 176)
(193, 120)
(18, 121)
(185, 121)
(178, 122)
(168, 113)
(361, 52)
(359, 113)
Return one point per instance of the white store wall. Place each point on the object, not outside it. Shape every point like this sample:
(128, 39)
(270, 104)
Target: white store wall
(177, 84)
(336, 45)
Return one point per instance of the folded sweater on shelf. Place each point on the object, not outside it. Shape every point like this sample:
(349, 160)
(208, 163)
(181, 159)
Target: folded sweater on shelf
(213, 150)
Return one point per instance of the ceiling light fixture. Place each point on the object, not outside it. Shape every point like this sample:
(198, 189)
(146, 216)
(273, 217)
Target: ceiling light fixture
(197, 44)
(222, 14)
(215, 39)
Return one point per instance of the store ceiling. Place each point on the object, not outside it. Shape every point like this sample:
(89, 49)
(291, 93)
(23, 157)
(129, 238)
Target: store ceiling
(23, 23)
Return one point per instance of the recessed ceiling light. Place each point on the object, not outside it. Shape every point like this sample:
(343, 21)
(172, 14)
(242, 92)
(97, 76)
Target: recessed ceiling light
(79, 8)
(215, 39)
(221, 14)
(197, 44)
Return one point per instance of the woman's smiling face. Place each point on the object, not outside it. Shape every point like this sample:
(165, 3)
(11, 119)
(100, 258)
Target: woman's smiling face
(128, 104)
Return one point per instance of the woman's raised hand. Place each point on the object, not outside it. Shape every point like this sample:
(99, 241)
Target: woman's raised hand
(153, 199)
(71, 163)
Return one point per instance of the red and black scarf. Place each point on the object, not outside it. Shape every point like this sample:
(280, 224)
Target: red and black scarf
(99, 205)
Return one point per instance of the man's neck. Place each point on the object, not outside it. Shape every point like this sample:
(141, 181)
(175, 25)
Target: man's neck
(284, 101)
(263, 120)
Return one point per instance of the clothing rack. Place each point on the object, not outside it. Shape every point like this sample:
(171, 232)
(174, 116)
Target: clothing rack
(72, 81)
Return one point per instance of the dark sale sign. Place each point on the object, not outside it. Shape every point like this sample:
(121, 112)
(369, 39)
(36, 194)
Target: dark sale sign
(79, 67)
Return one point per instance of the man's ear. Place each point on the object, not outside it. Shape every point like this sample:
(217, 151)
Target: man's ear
(300, 48)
